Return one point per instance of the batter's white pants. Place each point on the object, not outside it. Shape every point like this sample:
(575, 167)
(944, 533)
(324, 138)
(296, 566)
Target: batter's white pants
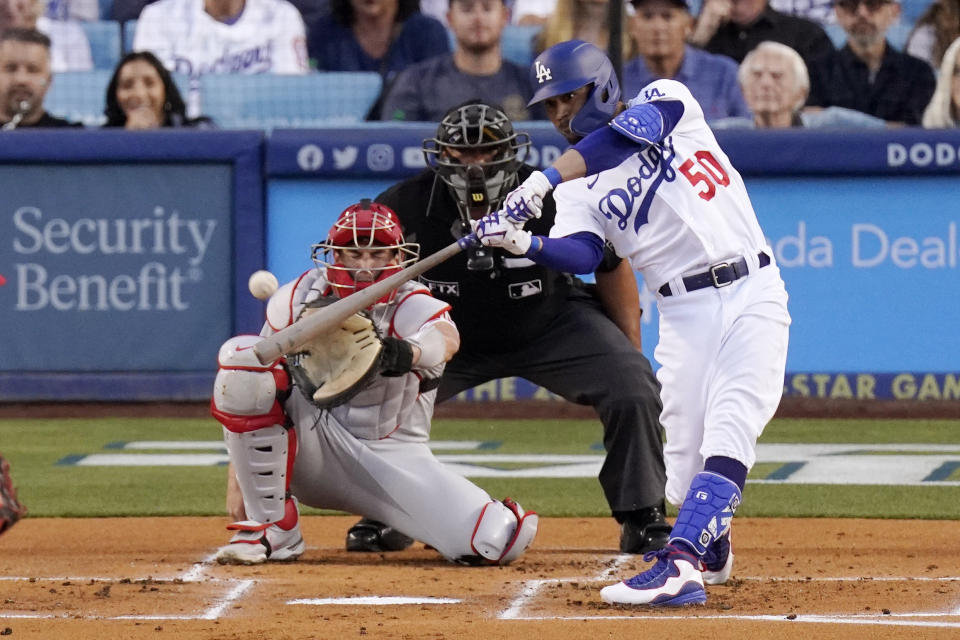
(722, 354)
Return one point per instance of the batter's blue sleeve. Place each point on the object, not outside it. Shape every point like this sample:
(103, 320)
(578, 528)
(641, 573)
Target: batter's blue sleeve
(579, 252)
(607, 147)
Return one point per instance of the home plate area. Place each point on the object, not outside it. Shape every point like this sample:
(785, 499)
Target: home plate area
(845, 578)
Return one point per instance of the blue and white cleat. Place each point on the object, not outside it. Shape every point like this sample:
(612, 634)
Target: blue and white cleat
(673, 581)
(717, 562)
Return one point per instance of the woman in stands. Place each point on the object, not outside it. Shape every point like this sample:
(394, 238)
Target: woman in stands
(934, 30)
(943, 112)
(582, 20)
(143, 95)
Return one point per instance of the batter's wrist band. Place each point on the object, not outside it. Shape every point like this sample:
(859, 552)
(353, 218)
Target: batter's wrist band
(536, 245)
(553, 176)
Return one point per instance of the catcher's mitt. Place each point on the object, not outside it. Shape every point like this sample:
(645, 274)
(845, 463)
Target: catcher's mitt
(334, 367)
(10, 508)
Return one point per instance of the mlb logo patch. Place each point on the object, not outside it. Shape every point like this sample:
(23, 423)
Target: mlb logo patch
(519, 290)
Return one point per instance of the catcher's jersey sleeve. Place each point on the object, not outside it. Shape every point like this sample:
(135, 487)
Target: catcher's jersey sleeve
(268, 37)
(416, 309)
(670, 208)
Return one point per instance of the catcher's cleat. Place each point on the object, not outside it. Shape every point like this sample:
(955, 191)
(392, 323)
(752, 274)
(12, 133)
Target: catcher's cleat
(256, 543)
(673, 581)
(370, 535)
(644, 530)
(717, 562)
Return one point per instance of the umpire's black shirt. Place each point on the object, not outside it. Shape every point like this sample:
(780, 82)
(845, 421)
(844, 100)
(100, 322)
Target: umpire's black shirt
(494, 310)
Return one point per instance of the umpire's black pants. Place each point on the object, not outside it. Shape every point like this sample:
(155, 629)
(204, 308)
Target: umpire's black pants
(583, 357)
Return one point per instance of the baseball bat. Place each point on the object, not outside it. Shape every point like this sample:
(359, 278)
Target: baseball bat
(290, 339)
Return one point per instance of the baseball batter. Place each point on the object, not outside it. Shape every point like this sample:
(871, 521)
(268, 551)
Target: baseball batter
(650, 177)
(368, 455)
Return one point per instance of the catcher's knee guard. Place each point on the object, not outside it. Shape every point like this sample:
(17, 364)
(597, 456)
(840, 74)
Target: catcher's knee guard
(503, 531)
(262, 446)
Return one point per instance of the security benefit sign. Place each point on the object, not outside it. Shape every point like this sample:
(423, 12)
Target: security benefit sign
(114, 267)
(872, 267)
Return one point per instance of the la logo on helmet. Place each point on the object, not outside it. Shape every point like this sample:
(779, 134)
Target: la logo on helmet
(543, 73)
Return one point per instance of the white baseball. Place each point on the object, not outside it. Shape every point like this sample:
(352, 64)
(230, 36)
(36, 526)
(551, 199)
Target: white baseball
(262, 284)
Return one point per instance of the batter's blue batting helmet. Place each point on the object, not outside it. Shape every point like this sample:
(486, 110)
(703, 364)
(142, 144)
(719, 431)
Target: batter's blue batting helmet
(566, 67)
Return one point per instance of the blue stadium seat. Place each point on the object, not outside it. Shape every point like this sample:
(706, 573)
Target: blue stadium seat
(129, 29)
(516, 43)
(910, 10)
(79, 96)
(836, 33)
(104, 37)
(267, 101)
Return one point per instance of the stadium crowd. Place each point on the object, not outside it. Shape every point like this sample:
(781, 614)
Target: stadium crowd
(839, 63)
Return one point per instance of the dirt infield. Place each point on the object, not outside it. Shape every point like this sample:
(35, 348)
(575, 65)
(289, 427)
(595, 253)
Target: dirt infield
(153, 578)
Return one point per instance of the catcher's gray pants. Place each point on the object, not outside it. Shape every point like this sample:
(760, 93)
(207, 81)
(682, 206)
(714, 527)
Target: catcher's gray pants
(397, 482)
(583, 357)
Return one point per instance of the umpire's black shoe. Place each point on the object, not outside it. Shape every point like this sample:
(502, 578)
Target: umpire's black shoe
(370, 535)
(644, 530)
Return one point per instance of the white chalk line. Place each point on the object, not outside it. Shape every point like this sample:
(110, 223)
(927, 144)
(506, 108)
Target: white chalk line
(195, 574)
(531, 588)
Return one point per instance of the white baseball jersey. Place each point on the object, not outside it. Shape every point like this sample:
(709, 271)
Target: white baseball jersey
(268, 37)
(672, 208)
(391, 406)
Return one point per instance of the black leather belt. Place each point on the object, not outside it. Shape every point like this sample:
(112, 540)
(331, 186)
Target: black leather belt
(717, 276)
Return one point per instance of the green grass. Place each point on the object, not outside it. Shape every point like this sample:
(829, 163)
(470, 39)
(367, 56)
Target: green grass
(34, 448)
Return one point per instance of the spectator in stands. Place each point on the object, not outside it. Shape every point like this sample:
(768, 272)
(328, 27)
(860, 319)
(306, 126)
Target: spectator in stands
(25, 77)
(868, 74)
(476, 69)
(142, 95)
(934, 30)
(944, 108)
(659, 29)
(532, 12)
(819, 11)
(83, 10)
(586, 20)
(69, 49)
(734, 27)
(386, 36)
(776, 84)
(196, 37)
(124, 10)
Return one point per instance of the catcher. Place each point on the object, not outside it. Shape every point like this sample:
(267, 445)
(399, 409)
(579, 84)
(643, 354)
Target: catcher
(344, 424)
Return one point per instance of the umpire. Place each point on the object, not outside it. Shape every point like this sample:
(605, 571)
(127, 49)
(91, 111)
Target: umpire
(517, 318)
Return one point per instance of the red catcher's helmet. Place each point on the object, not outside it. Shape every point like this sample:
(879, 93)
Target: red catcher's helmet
(365, 225)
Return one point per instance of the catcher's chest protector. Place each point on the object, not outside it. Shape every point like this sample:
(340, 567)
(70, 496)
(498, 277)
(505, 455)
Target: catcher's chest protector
(388, 405)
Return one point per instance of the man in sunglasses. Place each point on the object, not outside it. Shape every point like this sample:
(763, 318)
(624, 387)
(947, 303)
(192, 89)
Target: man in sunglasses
(868, 74)
(734, 27)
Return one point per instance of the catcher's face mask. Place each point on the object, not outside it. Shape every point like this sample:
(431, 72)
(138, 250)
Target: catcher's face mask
(365, 245)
